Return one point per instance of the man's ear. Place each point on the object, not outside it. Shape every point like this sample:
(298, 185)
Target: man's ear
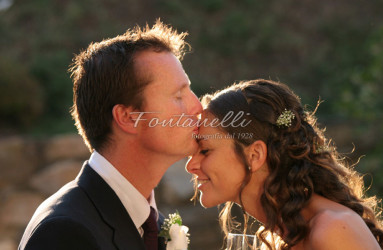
(125, 118)
(256, 155)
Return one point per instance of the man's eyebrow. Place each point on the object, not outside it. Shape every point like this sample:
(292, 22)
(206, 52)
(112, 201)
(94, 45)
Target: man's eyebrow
(183, 86)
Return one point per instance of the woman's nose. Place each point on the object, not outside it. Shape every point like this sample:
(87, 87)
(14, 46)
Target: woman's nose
(194, 163)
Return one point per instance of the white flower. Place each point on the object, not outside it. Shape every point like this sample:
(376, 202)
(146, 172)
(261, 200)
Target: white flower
(285, 119)
(179, 238)
(175, 234)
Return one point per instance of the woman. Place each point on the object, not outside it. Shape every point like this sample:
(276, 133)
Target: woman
(276, 164)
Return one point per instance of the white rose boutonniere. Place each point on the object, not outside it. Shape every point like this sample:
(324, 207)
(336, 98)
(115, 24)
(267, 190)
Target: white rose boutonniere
(176, 235)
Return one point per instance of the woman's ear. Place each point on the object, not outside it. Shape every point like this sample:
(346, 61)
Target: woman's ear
(256, 155)
(125, 118)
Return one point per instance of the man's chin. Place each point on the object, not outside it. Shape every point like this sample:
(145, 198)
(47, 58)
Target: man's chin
(187, 150)
(193, 148)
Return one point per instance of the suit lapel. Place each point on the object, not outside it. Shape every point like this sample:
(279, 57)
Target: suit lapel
(126, 235)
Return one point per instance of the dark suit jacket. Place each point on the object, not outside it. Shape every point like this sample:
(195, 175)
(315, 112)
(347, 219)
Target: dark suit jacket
(84, 214)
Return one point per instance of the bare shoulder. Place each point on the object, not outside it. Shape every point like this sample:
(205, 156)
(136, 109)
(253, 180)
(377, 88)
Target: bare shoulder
(340, 229)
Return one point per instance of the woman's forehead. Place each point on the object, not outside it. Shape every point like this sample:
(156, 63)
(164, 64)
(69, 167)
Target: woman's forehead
(206, 114)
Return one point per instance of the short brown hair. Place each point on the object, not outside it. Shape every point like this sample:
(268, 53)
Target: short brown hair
(103, 75)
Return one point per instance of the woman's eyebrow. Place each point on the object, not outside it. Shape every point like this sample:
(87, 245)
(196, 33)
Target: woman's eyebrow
(203, 141)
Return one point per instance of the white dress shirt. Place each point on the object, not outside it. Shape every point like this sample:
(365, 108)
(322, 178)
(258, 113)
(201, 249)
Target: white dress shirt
(137, 206)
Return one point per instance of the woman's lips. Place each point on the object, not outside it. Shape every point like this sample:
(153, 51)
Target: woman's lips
(201, 182)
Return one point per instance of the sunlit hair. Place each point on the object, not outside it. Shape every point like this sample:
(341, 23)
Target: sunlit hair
(104, 75)
(300, 159)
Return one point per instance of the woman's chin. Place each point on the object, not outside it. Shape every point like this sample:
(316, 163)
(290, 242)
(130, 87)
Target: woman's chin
(206, 203)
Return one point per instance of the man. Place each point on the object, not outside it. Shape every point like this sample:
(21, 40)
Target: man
(121, 85)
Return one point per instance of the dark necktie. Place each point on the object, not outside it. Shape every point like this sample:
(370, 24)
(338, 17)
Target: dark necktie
(151, 231)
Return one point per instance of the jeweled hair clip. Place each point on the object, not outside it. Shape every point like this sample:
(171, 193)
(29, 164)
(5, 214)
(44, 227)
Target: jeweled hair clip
(285, 118)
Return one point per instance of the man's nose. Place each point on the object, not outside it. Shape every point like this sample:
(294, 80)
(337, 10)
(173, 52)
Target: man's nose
(196, 105)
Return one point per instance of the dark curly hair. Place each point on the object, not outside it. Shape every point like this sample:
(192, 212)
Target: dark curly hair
(300, 159)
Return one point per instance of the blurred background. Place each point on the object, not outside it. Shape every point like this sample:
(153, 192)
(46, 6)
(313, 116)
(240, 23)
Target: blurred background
(328, 50)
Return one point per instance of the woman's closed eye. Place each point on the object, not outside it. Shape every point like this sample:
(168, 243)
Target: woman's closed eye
(203, 151)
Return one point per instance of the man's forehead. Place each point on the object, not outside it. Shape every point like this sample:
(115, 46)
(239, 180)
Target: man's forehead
(149, 57)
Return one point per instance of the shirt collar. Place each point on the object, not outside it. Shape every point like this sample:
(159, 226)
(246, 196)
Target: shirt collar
(134, 202)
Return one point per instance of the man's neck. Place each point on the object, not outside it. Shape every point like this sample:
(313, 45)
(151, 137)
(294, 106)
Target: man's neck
(143, 171)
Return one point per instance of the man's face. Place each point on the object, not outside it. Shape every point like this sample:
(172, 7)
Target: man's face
(169, 131)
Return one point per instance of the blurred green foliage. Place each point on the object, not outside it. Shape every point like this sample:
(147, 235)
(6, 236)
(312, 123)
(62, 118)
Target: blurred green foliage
(331, 50)
(19, 95)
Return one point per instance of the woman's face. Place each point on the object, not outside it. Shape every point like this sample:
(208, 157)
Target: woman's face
(217, 167)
